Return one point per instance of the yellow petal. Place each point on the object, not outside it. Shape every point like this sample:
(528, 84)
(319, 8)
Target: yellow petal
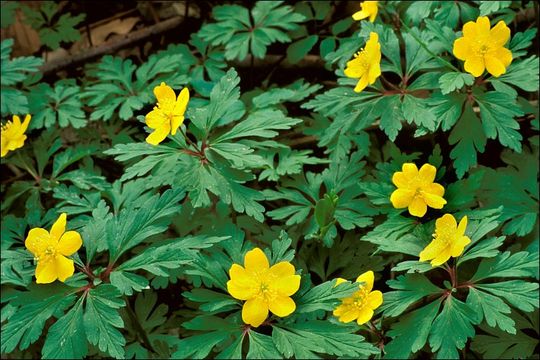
(483, 26)
(69, 243)
(155, 119)
(354, 69)
(434, 189)
(37, 240)
(434, 201)
(375, 299)
(374, 73)
(282, 306)
(241, 290)
(64, 267)
(175, 123)
(46, 272)
(339, 310)
(16, 121)
(462, 226)
(256, 260)
(475, 65)
(432, 250)
(373, 16)
(157, 135)
(459, 245)
(500, 34)
(470, 30)
(59, 227)
(494, 66)
(502, 54)
(164, 93)
(362, 83)
(401, 198)
(26, 122)
(462, 48)
(442, 257)
(418, 207)
(367, 279)
(427, 173)
(410, 170)
(360, 15)
(254, 312)
(349, 315)
(181, 102)
(364, 315)
(446, 223)
(282, 269)
(286, 285)
(339, 281)
(401, 180)
(372, 45)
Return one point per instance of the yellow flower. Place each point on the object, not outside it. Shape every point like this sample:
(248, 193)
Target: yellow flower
(263, 287)
(361, 305)
(168, 115)
(366, 65)
(449, 240)
(368, 9)
(50, 250)
(416, 189)
(12, 136)
(483, 48)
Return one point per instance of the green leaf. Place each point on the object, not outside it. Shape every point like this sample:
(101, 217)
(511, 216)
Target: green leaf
(521, 294)
(498, 111)
(522, 41)
(307, 339)
(261, 347)
(300, 48)
(15, 71)
(66, 338)
(492, 308)
(59, 106)
(520, 264)
(388, 236)
(451, 328)
(410, 288)
(26, 325)
(523, 74)
(324, 297)
(411, 332)
(468, 138)
(452, 81)
(8, 13)
(102, 320)
(127, 282)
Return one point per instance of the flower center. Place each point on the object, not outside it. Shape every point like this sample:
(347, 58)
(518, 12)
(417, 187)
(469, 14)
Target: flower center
(47, 255)
(483, 49)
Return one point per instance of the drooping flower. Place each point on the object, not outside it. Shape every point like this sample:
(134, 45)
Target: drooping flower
(449, 240)
(168, 115)
(263, 287)
(416, 189)
(360, 305)
(12, 135)
(50, 250)
(483, 48)
(369, 9)
(366, 65)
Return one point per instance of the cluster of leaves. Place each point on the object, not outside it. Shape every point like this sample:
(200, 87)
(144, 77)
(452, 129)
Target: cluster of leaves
(298, 169)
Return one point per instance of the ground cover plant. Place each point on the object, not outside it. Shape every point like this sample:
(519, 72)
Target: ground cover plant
(270, 179)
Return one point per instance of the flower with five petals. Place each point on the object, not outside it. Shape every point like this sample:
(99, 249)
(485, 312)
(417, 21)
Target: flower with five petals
(50, 250)
(263, 287)
(168, 115)
(369, 10)
(366, 65)
(361, 304)
(482, 47)
(12, 136)
(449, 240)
(416, 189)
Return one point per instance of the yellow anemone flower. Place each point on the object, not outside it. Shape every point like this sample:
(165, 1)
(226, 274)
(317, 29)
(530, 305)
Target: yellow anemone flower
(360, 305)
(263, 287)
(483, 48)
(368, 9)
(416, 189)
(168, 115)
(12, 135)
(50, 250)
(449, 240)
(366, 65)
